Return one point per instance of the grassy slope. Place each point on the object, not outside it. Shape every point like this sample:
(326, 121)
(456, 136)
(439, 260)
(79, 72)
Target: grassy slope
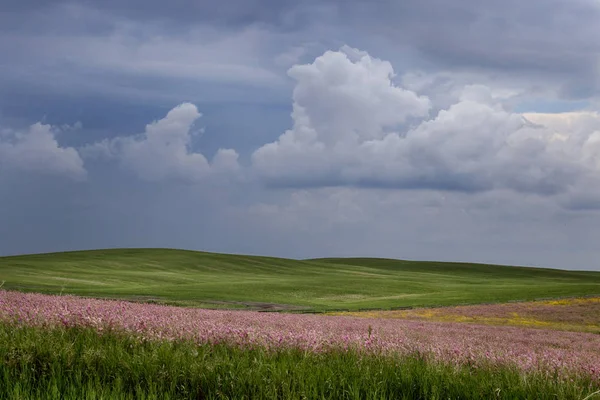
(197, 278)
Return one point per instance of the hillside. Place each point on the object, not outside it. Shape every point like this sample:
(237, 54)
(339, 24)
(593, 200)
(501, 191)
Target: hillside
(221, 280)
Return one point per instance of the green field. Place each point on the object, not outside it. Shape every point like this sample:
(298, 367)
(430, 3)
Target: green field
(220, 280)
(76, 363)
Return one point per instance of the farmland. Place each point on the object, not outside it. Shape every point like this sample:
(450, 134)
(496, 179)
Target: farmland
(212, 280)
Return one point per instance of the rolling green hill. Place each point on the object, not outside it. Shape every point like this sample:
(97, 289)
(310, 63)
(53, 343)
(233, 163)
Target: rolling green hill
(220, 280)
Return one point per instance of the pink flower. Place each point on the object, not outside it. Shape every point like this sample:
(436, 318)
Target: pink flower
(545, 350)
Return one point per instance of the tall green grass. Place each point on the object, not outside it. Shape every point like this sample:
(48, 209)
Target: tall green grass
(58, 363)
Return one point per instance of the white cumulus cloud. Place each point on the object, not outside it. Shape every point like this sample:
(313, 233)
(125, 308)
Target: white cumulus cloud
(353, 126)
(37, 150)
(164, 151)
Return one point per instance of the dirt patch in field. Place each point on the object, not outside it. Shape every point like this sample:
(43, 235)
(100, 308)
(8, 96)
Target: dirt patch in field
(258, 306)
(220, 304)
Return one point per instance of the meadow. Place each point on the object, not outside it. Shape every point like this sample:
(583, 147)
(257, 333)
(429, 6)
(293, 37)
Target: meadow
(69, 347)
(75, 364)
(110, 324)
(212, 280)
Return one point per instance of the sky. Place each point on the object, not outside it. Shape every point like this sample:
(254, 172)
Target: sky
(421, 129)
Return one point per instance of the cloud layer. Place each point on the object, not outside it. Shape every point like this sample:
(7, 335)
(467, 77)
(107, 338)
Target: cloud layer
(355, 123)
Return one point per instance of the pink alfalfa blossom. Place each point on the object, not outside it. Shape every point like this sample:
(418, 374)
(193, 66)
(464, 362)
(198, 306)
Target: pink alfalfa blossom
(528, 349)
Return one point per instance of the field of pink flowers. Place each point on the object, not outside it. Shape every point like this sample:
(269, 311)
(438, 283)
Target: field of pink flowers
(529, 349)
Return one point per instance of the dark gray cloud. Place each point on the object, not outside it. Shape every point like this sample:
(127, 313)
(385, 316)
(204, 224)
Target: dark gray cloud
(177, 14)
(284, 14)
(539, 35)
(111, 46)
